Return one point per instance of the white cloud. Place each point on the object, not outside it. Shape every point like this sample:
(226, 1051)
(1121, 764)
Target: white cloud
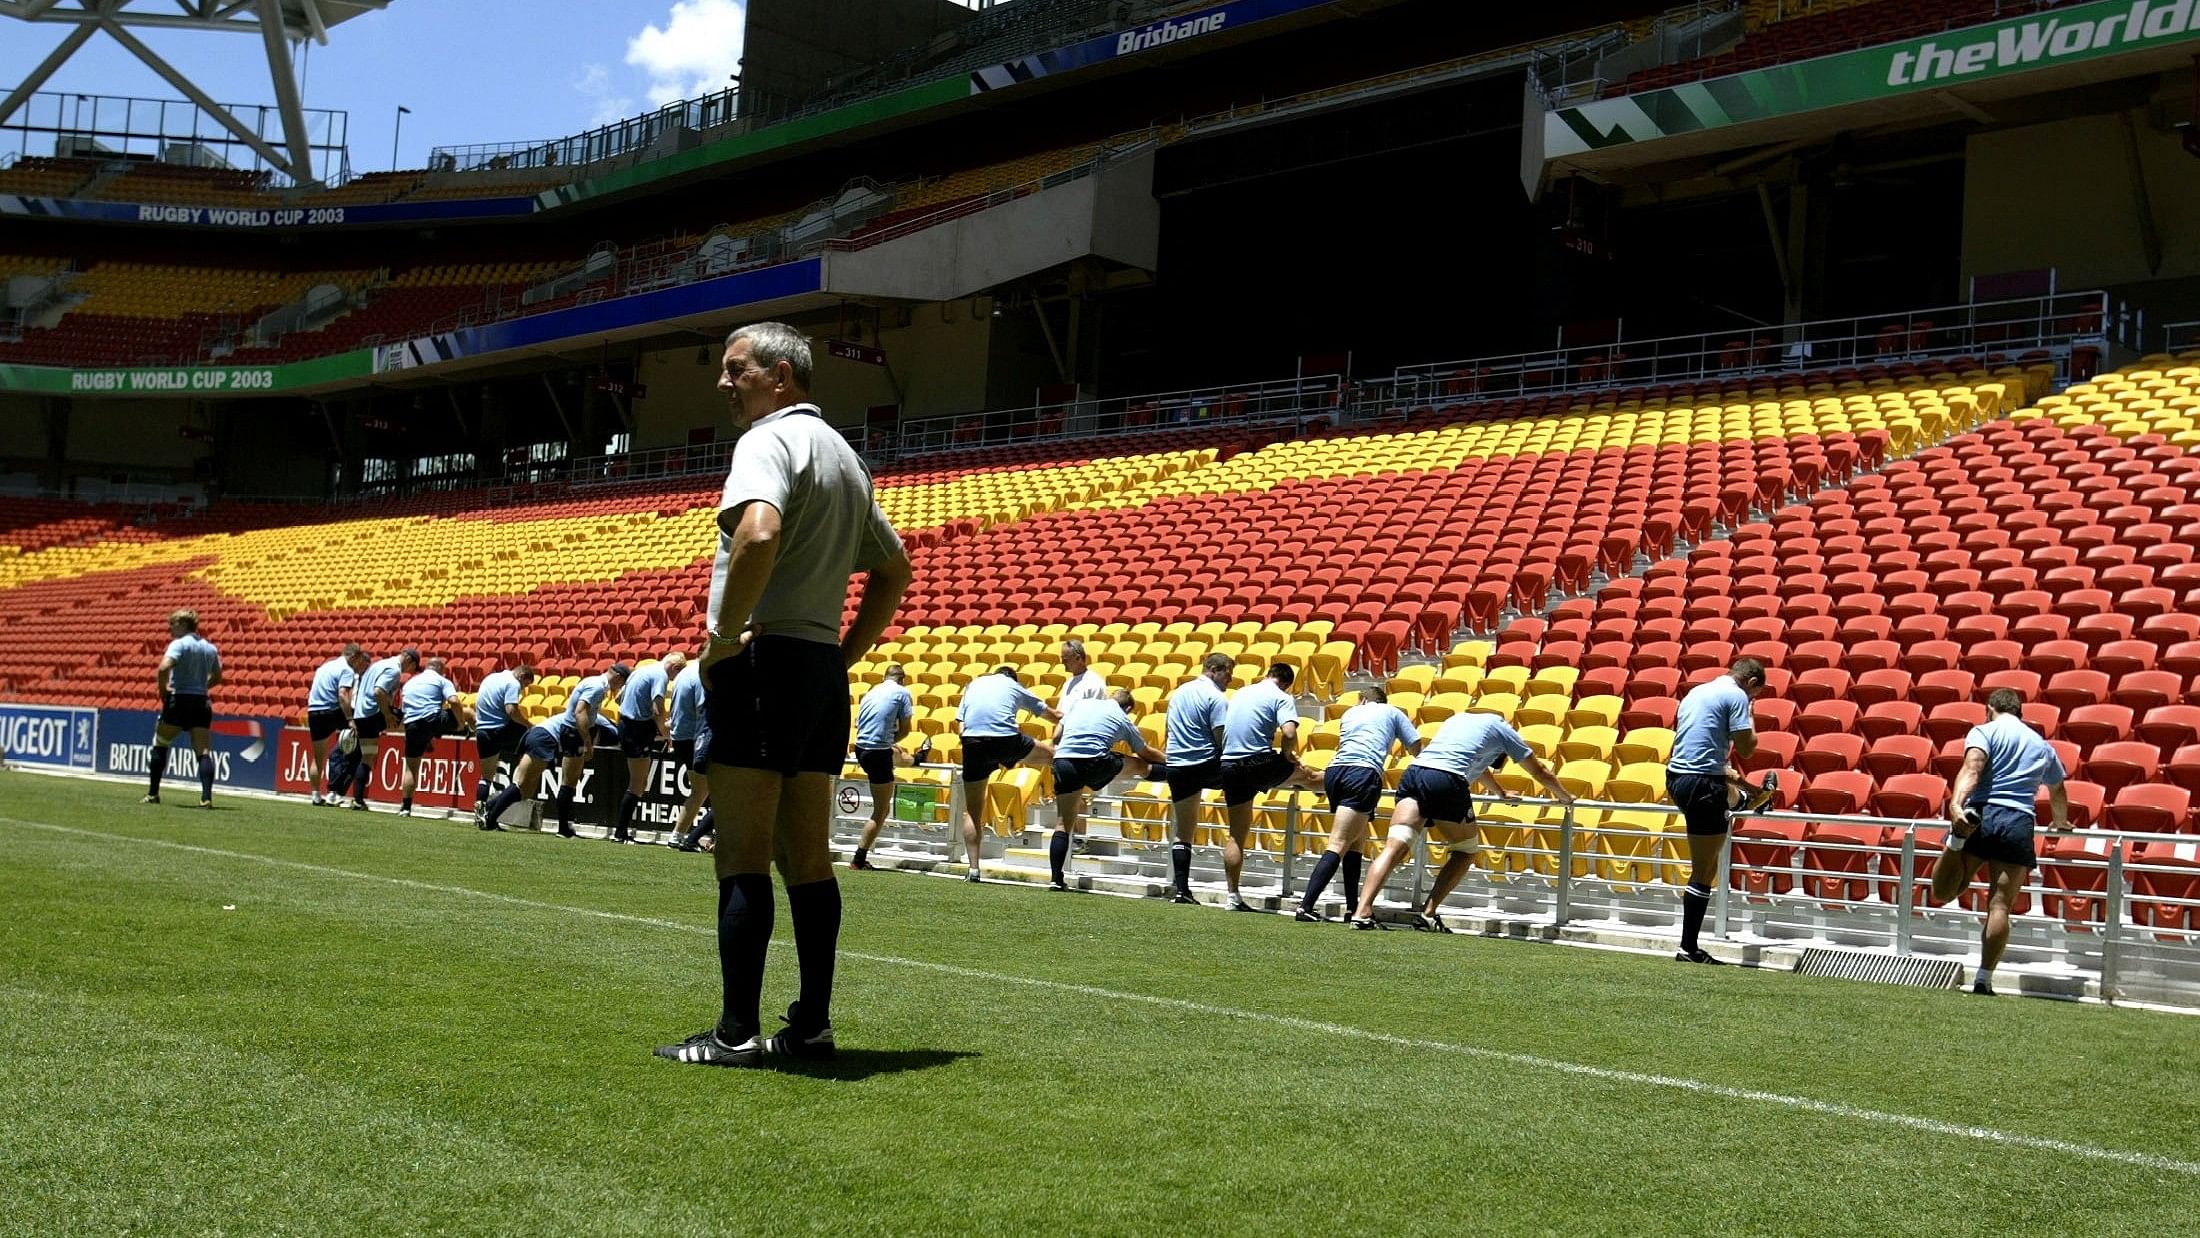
(605, 104)
(693, 53)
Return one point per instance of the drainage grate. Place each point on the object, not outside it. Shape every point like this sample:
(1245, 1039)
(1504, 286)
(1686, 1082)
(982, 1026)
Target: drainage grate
(1881, 968)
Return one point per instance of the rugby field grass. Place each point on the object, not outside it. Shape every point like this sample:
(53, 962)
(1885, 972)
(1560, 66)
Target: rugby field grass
(410, 1026)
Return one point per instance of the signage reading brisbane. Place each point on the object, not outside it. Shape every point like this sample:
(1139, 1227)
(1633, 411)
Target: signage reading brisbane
(1168, 32)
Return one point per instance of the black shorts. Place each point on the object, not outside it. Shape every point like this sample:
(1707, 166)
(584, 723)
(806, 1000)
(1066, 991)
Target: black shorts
(322, 723)
(1242, 780)
(1701, 799)
(781, 705)
(1353, 786)
(421, 735)
(986, 754)
(1072, 774)
(370, 726)
(877, 763)
(498, 744)
(548, 746)
(1187, 781)
(187, 712)
(1440, 794)
(2004, 836)
(637, 736)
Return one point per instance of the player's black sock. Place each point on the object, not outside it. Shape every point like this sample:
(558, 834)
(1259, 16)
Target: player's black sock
(1180, 866)
(1695, 900)
(406, 803)
(628, 803)
(206, 775)
(158, 763)
(565, 809)
(862, 854)
(481, 794)
(1058, 853)
(503, 803)
(1353, 860)
(815, 909)
(744, 937)
(1324, 869)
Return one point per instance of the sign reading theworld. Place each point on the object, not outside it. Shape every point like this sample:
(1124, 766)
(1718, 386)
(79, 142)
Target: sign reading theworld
(1996, 49)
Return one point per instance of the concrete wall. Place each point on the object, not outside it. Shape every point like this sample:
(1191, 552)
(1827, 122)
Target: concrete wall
(133, 433)
(2061, 195)
(23, 431)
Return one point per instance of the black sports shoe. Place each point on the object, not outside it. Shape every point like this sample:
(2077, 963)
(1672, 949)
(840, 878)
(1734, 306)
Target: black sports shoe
(1061, 886)
(1697, 956)
(1982, 988)
(1303, 916)
(799, 1040)
(704, 1048)
(1183, 898)
(566, 831)
(151, 797)
(206, 801)
(1430, 924)
(358, 805)
(1366, 923)
(488, 825)
(862, 866)
(1239, 904)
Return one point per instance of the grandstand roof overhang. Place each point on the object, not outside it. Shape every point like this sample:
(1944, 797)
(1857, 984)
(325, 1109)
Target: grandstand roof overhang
(279, 23)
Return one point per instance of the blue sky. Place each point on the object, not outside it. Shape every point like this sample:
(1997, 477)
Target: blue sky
(471, 70)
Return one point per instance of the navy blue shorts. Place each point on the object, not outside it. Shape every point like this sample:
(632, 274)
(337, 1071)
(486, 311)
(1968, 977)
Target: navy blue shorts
(498, 743)
(1353, 786)
(370, 726)
(1701, 799)
(322, 723)
(1073, 774)
(1244, 779)
(2004, 836)
(1187, 781)
(187, 711)
(1440, 794)
(780, 705)
(986, 754)
(877, 763)
(421, 735)
(637, 736)
(548, 746)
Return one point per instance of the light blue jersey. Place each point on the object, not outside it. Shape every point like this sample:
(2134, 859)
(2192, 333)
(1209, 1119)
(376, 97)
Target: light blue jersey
(382, 676)
(194, 663)
(1196, 711)
(880, 715)
(329, 684)
(493, 704)
(687, 703)
(1093, 727)
(1256, 714)
(1368, 731)
(990, 704)
(590, 691)
(644, 688)
(2018, 763)
(424, 696)
(1468, 744)
(1704, 729)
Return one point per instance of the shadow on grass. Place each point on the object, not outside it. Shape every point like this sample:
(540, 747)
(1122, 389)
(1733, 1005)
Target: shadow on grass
(853, 1064)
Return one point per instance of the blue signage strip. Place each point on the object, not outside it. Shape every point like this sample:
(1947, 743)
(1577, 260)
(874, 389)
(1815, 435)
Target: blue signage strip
(60, 736)
(243, 749)
(1182, 28)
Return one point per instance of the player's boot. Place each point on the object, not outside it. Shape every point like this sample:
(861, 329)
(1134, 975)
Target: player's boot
(799, 1038)
(705, 1048)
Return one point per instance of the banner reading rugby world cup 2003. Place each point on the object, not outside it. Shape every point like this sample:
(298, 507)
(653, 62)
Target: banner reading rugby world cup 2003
(1996, 49)
(199, 381)
(60, 736)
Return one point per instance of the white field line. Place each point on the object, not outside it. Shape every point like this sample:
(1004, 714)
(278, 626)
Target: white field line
(1853, 1113)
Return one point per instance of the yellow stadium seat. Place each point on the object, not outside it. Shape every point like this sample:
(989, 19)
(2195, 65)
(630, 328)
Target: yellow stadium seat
(1644, 744)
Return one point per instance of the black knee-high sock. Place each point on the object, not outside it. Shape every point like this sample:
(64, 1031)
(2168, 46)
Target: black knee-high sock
(1180, 866)
(206, 775)
(339, 772)
(502, 804)
(744, 936)
(1353, 860)
(1324, 869)
(1695, 900)
(628, 803)
(1058, 853)
(158, 763)
(481, 794)
(815, 909)
(565, 809)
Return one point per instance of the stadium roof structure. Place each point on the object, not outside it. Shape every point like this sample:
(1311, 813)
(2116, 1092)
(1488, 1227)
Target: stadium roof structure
(277, 22)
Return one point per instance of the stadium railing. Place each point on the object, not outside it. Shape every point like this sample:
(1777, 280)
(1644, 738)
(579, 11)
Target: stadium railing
(2181, 337)
(2073, 329)
(2109, 914)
